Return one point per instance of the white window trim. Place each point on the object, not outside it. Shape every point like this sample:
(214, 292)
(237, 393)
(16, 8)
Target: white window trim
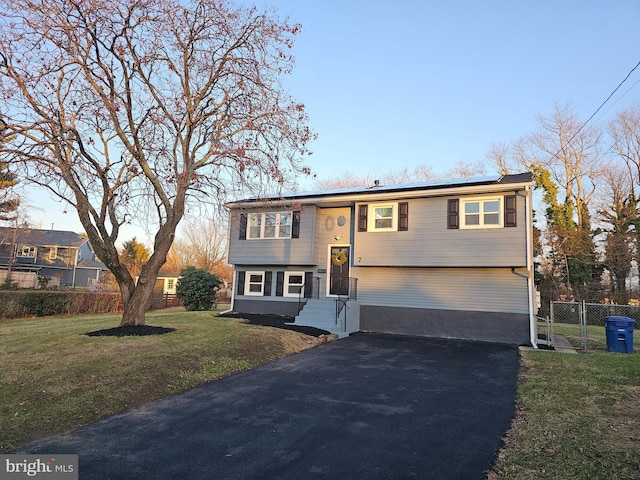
(371, 217)
(286, 286)
(22, 248)
(481, 200)
(262, 225)
(53, 253)
(247, 284)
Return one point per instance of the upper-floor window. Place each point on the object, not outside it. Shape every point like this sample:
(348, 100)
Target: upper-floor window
(53, 253)
(383, 217)
(26, 251)
(170, 284)
(269, 225)
(481, 212)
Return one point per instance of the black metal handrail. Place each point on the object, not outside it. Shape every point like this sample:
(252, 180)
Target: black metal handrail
(315, 292)
(341, 301)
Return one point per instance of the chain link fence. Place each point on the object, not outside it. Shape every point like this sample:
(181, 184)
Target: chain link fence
(578, 322)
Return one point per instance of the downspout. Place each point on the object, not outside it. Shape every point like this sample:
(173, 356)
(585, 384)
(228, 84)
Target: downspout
(233, 279)
(75, 263)
(233, 294)
(529, 233)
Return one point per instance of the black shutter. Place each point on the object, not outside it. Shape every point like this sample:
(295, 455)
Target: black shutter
(295, 224)
(267, 284)
(279, 284)
(453, 214)
(510, 211)
(362, 218)
(243, 226)
(308, 284)
(240, 288)
(403, 216)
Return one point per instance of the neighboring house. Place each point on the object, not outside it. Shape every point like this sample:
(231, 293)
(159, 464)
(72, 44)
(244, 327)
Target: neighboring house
(448, 258)
(167, 282)
(66, 257)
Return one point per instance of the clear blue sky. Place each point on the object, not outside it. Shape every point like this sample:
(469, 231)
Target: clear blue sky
(403, 83)
(394, 84)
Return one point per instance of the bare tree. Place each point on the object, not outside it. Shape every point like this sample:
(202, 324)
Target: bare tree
(467, 170)
(571, 152)
(127, 109)
(348, 179)
(499, 155)
(619, 212)
(201, 243)
(345, 179)
(624, 131)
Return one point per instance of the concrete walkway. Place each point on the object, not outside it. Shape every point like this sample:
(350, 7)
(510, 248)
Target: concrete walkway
(562, 345)
(365, 407)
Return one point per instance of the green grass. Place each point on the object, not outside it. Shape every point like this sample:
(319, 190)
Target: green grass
(578, 415)
(596, 335)
(53, 377)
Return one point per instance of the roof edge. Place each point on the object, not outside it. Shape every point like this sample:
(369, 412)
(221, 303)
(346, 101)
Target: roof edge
(520, 178)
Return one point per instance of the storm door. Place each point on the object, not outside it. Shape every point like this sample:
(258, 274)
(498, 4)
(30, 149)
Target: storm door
(339, 272)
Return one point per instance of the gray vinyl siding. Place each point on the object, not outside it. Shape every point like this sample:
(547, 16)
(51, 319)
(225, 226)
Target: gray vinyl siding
(465, 289)
(290, 251)
(428, 242)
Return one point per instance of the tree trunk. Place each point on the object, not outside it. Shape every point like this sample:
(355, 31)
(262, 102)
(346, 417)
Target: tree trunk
(135, 308)
(137, 300)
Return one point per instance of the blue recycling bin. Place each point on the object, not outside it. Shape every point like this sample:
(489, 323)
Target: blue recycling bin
(619, 334)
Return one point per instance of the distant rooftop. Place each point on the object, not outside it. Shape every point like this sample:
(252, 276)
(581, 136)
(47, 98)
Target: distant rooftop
(39, 237)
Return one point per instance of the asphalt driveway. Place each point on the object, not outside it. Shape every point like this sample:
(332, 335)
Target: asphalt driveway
(365, 407)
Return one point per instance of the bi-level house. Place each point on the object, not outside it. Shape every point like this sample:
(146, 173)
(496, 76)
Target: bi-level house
(448, 258)
(67, 258)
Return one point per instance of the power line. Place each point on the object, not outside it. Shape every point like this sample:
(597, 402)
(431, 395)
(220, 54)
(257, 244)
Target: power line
(620, 98)
(609, 97)
(598, 109)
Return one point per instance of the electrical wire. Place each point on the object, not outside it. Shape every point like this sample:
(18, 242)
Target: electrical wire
(609, 97)
(598, 109)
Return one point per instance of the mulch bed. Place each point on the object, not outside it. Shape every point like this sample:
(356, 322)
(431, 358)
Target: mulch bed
(277, 321)
(131, 331)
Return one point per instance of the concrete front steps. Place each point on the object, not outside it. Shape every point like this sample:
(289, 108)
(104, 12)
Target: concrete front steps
(320, 313)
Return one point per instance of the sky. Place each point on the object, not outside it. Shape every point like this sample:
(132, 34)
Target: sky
(389, 85)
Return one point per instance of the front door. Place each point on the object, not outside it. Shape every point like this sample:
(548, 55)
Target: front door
(339, 273)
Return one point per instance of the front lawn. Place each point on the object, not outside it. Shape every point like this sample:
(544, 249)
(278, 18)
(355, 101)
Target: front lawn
(53, 377)
(578, 416)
